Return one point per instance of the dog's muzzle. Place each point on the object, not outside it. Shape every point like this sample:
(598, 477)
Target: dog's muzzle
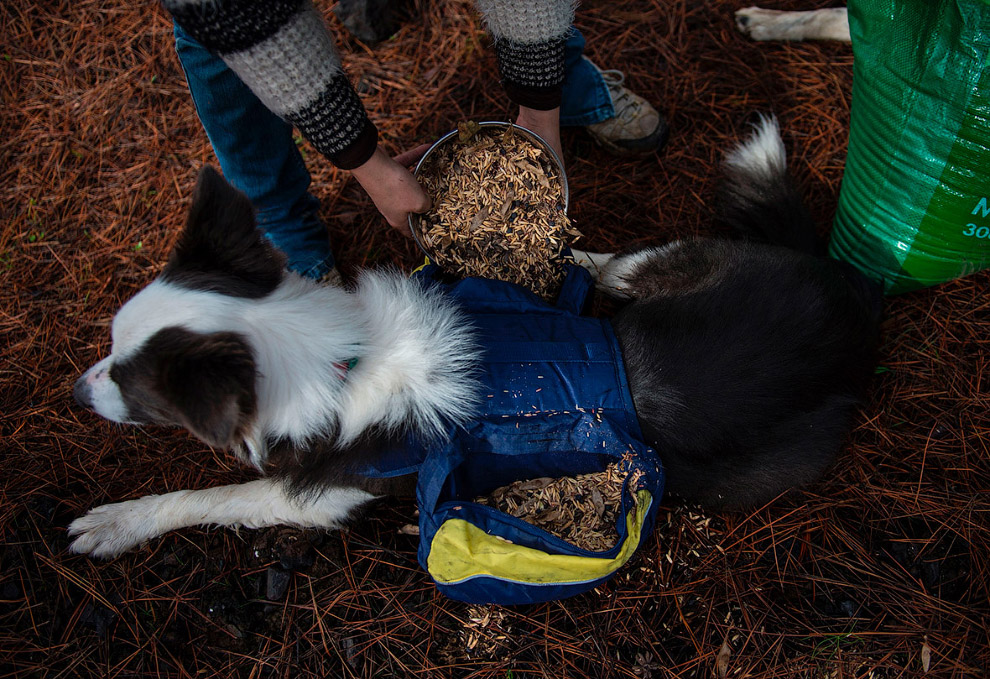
(83, 393)
(97, 392)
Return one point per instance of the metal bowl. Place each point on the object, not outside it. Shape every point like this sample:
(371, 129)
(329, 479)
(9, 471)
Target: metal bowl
(451, 137)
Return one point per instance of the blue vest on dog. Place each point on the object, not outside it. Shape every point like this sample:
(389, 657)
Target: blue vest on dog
(555, 403)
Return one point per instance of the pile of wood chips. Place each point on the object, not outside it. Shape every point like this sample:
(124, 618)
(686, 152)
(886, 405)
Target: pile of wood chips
(581, 509)
(498, 209)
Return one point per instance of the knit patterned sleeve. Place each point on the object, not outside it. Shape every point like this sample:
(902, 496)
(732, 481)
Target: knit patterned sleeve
(529, 37)
(284, 52)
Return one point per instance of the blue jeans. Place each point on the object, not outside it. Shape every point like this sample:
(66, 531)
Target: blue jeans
(586, 99)
(259, 156)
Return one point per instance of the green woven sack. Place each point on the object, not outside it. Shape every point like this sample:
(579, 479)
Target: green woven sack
(914, 207)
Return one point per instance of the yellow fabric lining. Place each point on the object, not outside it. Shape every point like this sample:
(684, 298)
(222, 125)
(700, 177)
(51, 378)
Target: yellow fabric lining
(461, 550)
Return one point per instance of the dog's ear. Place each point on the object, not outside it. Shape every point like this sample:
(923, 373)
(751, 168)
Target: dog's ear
(207, 382)
(221, 248)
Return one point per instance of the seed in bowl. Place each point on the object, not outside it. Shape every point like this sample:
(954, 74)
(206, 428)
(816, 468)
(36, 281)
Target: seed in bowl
(498, 209)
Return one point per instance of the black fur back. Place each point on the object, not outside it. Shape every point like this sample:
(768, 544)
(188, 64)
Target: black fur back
(746, 380)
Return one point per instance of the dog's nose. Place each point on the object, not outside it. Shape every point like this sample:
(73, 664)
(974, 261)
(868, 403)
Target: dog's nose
(82, 393)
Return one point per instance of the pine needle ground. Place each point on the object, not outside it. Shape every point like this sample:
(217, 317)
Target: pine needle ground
(880, 570)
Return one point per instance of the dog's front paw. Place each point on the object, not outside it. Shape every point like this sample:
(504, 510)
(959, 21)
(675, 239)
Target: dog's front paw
(110, 530)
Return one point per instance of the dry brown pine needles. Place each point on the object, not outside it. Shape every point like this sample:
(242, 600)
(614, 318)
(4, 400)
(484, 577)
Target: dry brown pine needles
(867, 573)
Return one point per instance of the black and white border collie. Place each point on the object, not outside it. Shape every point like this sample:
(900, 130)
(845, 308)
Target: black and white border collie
(745, 361)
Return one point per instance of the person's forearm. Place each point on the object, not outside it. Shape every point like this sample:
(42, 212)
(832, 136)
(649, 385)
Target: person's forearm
(284, 52)
(544, 123)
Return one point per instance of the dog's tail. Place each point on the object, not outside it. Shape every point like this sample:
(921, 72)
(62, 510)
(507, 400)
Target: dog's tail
(758, 199)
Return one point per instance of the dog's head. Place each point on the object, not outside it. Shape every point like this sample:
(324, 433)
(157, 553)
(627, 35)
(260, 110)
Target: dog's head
(229, 345)
(178, 357)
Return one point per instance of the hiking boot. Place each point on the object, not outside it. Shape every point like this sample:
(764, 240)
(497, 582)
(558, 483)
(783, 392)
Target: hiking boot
(637, 129)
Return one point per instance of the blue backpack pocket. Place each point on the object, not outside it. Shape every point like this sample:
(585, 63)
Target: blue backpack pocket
(556, 403)
(479, 554)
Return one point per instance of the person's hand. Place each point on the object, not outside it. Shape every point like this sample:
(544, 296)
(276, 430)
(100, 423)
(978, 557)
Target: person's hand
(393, 188)
(411, 157)
(544, 123)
